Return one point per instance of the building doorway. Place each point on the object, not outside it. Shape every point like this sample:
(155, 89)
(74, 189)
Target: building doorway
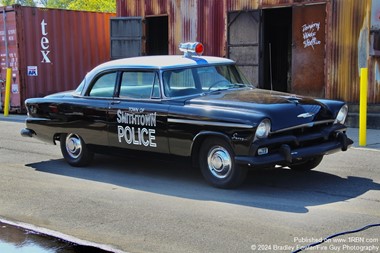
(282, 49)
(294, 49)
(277, 47)
(156, 35)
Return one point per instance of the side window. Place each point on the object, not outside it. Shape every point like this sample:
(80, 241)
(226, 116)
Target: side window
(179, 83)
(138, 84)
(104, 86)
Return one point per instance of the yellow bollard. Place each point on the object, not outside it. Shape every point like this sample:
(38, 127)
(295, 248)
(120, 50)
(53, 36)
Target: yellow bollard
(7, 98)
(363, 107)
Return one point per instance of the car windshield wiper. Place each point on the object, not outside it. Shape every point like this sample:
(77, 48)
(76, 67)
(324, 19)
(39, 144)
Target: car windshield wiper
(237, 85)
(217, 90)
(230, 86)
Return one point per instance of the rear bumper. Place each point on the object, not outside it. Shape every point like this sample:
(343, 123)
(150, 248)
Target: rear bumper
(290, 150)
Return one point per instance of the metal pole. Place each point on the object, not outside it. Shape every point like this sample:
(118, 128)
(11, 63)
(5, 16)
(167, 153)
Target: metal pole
(7, 91)
(9, 70)
(363, 107)
(270, 66)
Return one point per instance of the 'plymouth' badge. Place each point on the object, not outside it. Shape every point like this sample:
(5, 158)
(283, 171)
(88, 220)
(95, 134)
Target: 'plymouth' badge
(305, 115)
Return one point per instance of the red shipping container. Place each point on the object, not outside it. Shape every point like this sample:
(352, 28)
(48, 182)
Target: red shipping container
(49, 50)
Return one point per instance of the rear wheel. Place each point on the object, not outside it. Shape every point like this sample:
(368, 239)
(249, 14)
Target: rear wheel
(308, 165)
(74, 150)
(218, 166)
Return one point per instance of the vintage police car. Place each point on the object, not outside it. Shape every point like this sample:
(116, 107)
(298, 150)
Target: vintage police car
(189, 106)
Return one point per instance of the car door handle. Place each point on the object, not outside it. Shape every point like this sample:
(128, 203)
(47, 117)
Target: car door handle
(115, 102)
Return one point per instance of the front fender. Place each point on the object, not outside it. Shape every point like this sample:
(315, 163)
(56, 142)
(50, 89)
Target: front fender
(198, 140)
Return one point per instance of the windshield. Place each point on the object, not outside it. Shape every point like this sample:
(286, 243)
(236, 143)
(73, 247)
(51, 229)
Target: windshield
(189, 81)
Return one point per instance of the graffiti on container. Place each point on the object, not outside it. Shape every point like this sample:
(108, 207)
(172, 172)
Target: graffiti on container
(44, 43)
(309, 32)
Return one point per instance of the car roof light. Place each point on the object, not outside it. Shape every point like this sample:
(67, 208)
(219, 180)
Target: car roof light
(191, 48)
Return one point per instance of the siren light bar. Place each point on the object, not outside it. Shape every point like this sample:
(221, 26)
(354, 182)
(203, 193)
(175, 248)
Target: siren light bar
(191, 48)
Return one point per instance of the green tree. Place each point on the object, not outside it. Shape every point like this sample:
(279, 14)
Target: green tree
(21, 2)
(6, 2)
(58, 4)
(94, 5)
(26, 2)
(82, 5)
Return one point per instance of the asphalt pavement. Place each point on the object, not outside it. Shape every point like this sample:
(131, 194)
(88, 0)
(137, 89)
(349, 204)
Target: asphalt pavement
(372, 135)
(156, 205)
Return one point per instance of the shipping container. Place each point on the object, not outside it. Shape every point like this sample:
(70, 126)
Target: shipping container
(49, 50)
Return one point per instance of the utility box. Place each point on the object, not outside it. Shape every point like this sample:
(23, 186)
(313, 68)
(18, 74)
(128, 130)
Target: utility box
(49, 50)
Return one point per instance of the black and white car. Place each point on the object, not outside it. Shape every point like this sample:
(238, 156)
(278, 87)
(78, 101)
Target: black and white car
(189, 106)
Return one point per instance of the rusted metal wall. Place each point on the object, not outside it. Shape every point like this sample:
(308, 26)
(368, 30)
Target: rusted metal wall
(348, 49)
(190, 20)
(374, 80)
(60, 46)
(238, 5)
(212, 17)
(374, 62)
(280, 3)
(347, 34)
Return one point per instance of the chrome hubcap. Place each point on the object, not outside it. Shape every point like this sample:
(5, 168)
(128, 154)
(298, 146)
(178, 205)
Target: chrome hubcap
(219, 162)
(73, 145)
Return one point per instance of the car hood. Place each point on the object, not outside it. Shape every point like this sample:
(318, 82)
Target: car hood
(283, 109)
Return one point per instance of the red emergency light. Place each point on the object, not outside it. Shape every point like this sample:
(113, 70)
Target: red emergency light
(191, 48)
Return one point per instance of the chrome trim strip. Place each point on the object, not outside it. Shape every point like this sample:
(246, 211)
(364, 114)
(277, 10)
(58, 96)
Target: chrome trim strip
(209, 123)
(311, 124)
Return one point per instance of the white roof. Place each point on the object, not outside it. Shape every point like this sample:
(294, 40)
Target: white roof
(156, 62)
(162, 62)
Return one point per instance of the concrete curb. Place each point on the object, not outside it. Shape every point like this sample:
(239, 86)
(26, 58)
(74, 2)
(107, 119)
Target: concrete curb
(373, 137)
(13, 117)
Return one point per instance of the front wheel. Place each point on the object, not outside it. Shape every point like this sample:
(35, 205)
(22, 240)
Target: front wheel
(218, 166)
(308, 165)
(74, 150)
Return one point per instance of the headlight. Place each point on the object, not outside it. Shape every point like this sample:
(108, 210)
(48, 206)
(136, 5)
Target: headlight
(342, 114)
(263, 129)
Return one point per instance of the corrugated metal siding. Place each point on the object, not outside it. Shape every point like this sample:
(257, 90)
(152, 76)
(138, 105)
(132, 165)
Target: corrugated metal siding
(238, 5)
(143, 8)
(77, 42)
(374, 62)
(279, 3)
(155, 7)
(211, 16)
(347, 32)
(132, 8)
(374, 81)
(184, 16)
(121, 9)
(182, 23)
(348, 52)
